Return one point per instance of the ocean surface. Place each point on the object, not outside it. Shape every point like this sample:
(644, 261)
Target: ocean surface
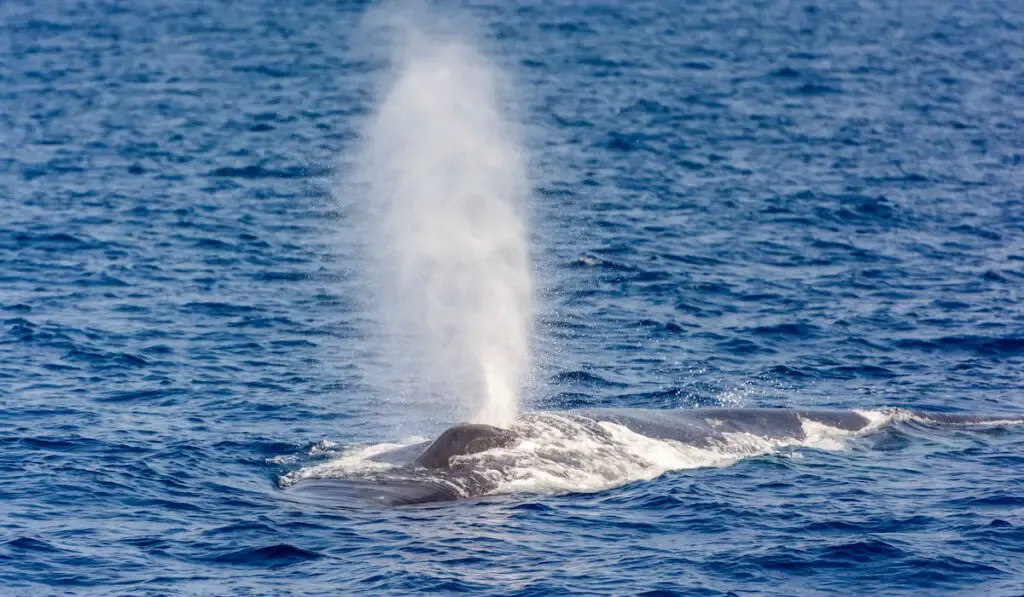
(751, 204)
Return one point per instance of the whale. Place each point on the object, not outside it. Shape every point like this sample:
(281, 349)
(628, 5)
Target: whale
(474, 459)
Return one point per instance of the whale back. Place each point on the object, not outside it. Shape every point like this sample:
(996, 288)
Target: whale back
(425, 472)
(467, 438)
(702, 427)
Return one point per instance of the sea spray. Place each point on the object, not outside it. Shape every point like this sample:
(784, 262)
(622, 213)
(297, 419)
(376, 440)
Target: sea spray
(446, 188)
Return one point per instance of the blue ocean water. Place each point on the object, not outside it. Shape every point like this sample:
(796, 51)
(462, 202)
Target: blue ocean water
(768, 203)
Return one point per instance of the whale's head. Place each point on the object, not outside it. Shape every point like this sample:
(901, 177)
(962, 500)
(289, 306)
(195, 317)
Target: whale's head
(468, 438)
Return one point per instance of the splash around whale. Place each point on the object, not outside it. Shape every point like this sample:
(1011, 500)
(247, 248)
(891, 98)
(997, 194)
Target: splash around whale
(584, 451)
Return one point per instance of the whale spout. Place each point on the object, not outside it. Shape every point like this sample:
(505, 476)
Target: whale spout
(468, 438)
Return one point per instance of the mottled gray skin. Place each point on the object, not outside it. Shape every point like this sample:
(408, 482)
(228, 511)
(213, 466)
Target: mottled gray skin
(429, 475)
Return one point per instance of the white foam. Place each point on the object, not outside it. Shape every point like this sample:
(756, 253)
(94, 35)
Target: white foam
(994, 422)
(887, 416)
(353, 461)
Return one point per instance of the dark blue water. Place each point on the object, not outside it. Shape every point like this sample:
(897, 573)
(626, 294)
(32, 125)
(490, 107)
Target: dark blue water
(736, 203)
